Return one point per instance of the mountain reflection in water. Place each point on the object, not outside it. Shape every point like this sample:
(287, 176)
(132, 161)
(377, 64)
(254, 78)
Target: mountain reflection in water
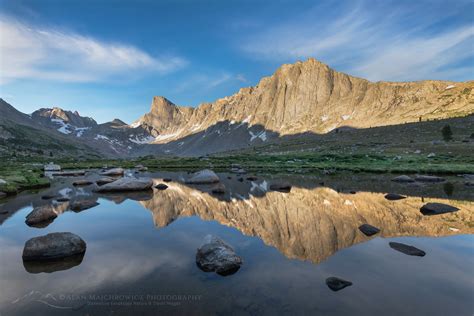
(309, 224)
(291, 243)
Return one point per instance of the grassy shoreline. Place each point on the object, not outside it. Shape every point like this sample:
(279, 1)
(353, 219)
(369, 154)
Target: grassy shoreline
(23, 175)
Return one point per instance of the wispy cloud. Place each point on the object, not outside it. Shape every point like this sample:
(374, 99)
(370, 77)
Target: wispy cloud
(207, 82)
(374, 41)
(32, 52)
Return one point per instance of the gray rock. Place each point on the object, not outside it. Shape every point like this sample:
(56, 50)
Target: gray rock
(105, 180)
(368, 230)
(113, 172)
(337, 284)
(41, 215)
(407, 249)
(394, 196)
(423, 178)
(467, 183)
(403, 179)
(53, 246)
(2, 195)
(205, 176)
(82, 182)
(51, 167)
(437, 208)
(281, 187)
(141, 168)
(69, 173)
(215, 255)
(161, 186)
(126, 184)
(81, 205)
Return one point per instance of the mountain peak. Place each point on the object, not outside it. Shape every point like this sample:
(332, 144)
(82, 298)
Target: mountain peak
(117, 121)
(160, 103)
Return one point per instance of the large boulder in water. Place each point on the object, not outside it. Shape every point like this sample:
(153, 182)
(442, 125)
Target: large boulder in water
(215, 255)
(41, 216)
(53, 246)
(105, 180)
(205, 176)
(113, 172)
(437, 208)
(126, 184)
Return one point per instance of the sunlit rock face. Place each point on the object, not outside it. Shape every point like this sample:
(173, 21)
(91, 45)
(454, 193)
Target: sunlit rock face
(310, 96)
(310, 224)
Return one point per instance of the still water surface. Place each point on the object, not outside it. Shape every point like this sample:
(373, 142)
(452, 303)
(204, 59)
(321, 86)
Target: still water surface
(141, 249)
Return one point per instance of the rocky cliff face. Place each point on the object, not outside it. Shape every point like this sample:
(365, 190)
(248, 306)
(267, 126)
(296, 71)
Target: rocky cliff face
(310, 96)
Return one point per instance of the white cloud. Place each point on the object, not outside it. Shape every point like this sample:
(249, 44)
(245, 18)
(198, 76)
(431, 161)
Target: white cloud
(204, 82)
(378, 43)
(35, 53)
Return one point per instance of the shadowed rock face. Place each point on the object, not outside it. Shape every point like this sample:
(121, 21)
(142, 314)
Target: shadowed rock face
(310, 224)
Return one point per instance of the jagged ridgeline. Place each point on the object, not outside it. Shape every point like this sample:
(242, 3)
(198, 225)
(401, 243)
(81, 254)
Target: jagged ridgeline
(305, 98)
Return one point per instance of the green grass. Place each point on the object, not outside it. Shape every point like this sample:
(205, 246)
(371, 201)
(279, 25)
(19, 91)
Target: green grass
(21, 177)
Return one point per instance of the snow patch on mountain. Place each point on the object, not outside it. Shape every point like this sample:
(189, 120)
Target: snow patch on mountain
(64, 128)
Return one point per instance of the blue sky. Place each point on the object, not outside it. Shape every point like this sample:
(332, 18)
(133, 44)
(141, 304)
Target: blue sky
(108, 58)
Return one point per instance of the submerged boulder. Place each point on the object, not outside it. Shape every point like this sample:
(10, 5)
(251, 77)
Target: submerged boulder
(126, 184)
(215, 255)
(368, 230)
(407, 249)
(53, 246)
(113, 172)
(429, 179)
(437, 208)
(41, 216)
(81, 205)
(337, 284)
(205, 176)
(394, 196)
(403, 179)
